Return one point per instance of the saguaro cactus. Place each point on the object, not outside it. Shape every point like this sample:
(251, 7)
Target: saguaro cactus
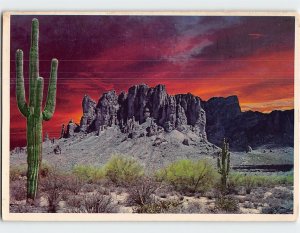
(33, 111)
(224, 164)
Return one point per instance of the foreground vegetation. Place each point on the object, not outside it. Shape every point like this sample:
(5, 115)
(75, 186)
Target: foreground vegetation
(122, 185)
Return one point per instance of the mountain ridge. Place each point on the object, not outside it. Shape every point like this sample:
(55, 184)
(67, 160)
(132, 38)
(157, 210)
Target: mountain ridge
(211, 120)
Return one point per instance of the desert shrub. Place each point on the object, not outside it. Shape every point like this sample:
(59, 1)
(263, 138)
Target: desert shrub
(94, 203)
(88, 173)
(26, 208)
(86, 188)
(193, 208)
(249, 183)
(242, 180)
(228, 204)
(54, 186)
(17, 171)
(278, 206)
(98, 203)
(211, 194)
(279, 202)
(123, 171)
(73, 184)
(253, 181)
(282, 193)
(141, 193)
(248, 205)
(18, 180)
(189, 176)
(74, 201)
(284, 179)
(17, 189)
(45, 169)
(158, 206)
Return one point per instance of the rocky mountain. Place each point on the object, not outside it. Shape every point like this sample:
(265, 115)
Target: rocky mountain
(244, 129)
(148, 111)
(142, 105)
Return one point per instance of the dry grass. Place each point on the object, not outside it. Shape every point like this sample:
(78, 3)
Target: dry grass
(229, 204)
(17, 190)
(142, 192)
(98, 203)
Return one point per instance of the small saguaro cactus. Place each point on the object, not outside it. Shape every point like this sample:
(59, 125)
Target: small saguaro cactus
(33, 110)
(224, 164)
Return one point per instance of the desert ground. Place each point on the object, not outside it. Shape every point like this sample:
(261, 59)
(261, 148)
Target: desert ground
(78, 181)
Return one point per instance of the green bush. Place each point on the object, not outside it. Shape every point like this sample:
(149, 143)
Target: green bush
(189, 176)
(123, 170)
(252, 181)
(16, 171)
(89, 173)
(45, 169)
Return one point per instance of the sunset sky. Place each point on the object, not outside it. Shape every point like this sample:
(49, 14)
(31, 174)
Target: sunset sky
(251, 57)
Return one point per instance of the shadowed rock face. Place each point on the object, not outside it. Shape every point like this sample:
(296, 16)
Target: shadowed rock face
(243, 129)
(149, 111)
(88, 108)
(141, 103)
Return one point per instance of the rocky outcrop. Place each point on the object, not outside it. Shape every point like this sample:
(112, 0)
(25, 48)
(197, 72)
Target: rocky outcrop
(106, 111)
(247, 129)
(89, 112)
(141, 104)
(70, 130)
(146, 111)
(219, 113)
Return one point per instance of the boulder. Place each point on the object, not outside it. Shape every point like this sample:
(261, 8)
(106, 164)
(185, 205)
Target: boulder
(248, 149)
(186, 142)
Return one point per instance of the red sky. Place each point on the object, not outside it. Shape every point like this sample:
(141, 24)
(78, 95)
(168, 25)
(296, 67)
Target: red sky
(251, 57)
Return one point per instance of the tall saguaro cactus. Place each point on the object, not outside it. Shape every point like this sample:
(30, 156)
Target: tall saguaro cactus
(224, 164)
(33, 110)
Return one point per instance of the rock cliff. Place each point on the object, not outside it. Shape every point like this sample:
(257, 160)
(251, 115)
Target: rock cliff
(149, 111)
(244, 129)
(151, 107)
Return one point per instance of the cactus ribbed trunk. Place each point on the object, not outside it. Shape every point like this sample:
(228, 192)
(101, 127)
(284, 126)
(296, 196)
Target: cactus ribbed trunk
(33, 111)
(34, 153)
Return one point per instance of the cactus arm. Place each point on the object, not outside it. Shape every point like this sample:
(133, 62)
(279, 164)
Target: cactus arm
(219, 165)
(34, 61)
(51, 97)
(223, 160)
(20, 87)
(228, 164)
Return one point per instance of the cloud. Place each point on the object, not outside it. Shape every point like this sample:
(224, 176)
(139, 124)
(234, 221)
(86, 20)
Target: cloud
(252, 57)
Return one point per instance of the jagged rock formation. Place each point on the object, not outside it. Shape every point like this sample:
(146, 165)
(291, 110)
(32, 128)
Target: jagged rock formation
(244, 129)
(88, 107)
(151, 107)
(71, 129)
(149, 111)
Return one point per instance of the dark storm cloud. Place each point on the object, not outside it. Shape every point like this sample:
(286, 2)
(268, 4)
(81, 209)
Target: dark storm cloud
(186, 53)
